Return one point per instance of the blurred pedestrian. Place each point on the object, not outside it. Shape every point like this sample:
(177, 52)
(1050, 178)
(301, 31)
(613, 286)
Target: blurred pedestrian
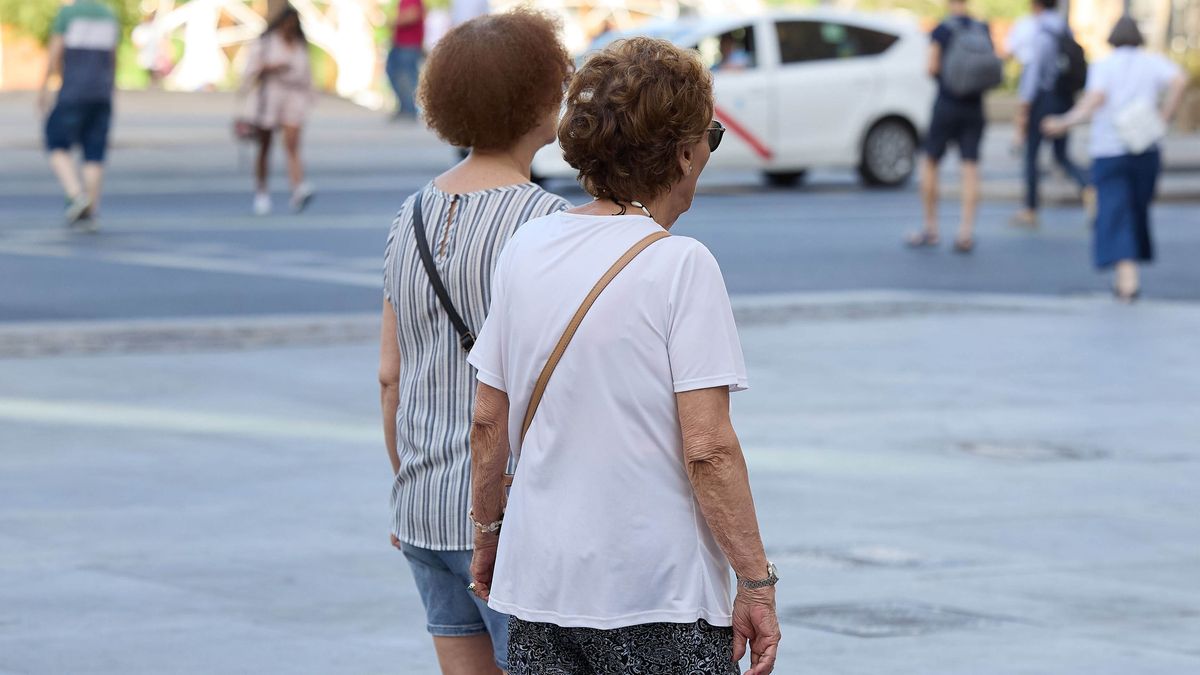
(957, 118)
(494, 84)
(1045, 89)
(404, 58)
(1020, 45)
(279, 74)
(1122, 100)
(82, 51)
(631, 498)
(153, 49)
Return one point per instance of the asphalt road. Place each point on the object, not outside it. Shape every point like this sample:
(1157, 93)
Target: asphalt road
(178, 239)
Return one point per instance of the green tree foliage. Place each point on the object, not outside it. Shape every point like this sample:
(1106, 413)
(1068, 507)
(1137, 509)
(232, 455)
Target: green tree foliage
(36, 17)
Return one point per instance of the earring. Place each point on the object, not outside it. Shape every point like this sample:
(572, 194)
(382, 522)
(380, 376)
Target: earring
(689, 169)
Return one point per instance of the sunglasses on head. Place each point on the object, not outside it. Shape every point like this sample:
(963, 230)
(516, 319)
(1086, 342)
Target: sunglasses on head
(715, 133)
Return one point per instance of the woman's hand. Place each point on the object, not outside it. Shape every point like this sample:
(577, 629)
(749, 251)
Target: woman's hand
(395, 542)
(1054, 126)
(483, 564)
(755, 622)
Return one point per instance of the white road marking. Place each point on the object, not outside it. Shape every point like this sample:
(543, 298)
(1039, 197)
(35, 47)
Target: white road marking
(147, 418)
(250, 267)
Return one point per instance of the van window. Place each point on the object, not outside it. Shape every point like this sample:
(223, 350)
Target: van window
(801, 41)
(729, 51)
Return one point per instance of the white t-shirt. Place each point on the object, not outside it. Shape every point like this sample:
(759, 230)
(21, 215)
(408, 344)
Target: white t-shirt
(602, 528)
(1127, 75)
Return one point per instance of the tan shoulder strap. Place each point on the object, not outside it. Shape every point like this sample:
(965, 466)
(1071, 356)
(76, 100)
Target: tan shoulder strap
(544, 378)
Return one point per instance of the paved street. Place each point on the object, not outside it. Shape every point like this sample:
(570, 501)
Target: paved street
(962, 464)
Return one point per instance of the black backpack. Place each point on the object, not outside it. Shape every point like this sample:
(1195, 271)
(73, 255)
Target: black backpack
(1071, 66)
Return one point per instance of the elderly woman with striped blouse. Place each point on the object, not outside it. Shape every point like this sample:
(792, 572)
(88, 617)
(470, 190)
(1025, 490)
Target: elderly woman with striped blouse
(493, 84)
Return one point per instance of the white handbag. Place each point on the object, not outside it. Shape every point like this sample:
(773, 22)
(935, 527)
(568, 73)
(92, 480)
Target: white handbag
(1140, 126)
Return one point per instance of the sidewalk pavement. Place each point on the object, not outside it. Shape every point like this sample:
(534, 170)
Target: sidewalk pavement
(949, 483)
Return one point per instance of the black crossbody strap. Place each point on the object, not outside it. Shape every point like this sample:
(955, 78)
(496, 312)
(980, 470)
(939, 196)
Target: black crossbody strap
(465, 337)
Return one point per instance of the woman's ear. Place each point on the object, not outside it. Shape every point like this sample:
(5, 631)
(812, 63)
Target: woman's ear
(685, 160)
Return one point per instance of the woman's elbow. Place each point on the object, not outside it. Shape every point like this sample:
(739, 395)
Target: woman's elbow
(714, 455)
(389, 379)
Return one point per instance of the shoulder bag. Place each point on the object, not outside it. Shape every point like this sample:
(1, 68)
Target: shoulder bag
(465, 337)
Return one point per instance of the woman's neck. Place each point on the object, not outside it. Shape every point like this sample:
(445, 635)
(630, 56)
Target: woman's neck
(659, 210)
(487, 170)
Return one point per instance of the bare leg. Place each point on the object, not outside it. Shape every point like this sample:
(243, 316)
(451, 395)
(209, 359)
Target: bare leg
(970, 201)
(64, 169)
(1125, 279)
(929, 193)
(93, 178)
(291, 143)
(263, 165)
(467, 655)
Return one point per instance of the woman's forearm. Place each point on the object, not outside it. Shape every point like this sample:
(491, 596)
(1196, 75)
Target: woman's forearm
(1084, 109)
(389, 401)
(489, 453)
(1174, 97)
(722, 486)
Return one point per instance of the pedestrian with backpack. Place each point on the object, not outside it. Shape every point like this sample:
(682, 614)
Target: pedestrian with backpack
(1050, 81)
(965, 64)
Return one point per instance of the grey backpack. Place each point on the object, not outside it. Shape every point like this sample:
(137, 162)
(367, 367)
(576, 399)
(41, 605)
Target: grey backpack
(969, 64)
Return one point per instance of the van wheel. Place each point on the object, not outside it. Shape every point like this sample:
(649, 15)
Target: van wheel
(889, 153)
(784, 179)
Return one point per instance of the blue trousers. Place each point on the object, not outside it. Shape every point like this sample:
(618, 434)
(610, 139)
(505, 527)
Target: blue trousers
(402, 66)
(1046, 103)
(1124, 190)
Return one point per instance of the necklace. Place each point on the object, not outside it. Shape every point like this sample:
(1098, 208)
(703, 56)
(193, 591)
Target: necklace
(643, 208)
(632, 202)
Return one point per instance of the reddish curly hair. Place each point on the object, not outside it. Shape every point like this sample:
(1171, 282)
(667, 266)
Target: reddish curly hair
(491, 80)
(630, 109)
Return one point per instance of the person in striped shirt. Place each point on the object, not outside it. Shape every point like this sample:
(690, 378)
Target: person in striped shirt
(495, 85)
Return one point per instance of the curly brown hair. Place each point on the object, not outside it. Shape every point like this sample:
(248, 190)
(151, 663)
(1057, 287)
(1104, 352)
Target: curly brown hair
(630, 109)
(491, 80)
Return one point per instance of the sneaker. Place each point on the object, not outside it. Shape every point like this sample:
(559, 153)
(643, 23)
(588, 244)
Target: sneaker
(262, 204)
(302, 197)
(77, 209)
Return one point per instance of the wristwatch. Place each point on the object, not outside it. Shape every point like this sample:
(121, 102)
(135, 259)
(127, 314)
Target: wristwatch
(771, 580)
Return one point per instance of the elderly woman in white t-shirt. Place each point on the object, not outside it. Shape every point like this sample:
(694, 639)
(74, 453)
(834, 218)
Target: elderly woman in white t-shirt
(631, 500)
(1123, 102)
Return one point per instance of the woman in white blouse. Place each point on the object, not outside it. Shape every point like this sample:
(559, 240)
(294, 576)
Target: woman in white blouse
(631, 500)
(1123, 98)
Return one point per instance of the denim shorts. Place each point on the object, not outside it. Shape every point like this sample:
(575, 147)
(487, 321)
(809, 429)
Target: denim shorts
(83, 123)
(450, 609)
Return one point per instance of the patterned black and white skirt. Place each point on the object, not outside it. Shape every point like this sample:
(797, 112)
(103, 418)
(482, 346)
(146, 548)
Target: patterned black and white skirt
(647, 649)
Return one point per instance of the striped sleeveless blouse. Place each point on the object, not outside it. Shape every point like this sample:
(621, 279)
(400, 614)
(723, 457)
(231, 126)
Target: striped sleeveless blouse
(466, 232)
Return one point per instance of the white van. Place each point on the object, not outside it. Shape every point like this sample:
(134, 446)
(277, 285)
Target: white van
(801, 90)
